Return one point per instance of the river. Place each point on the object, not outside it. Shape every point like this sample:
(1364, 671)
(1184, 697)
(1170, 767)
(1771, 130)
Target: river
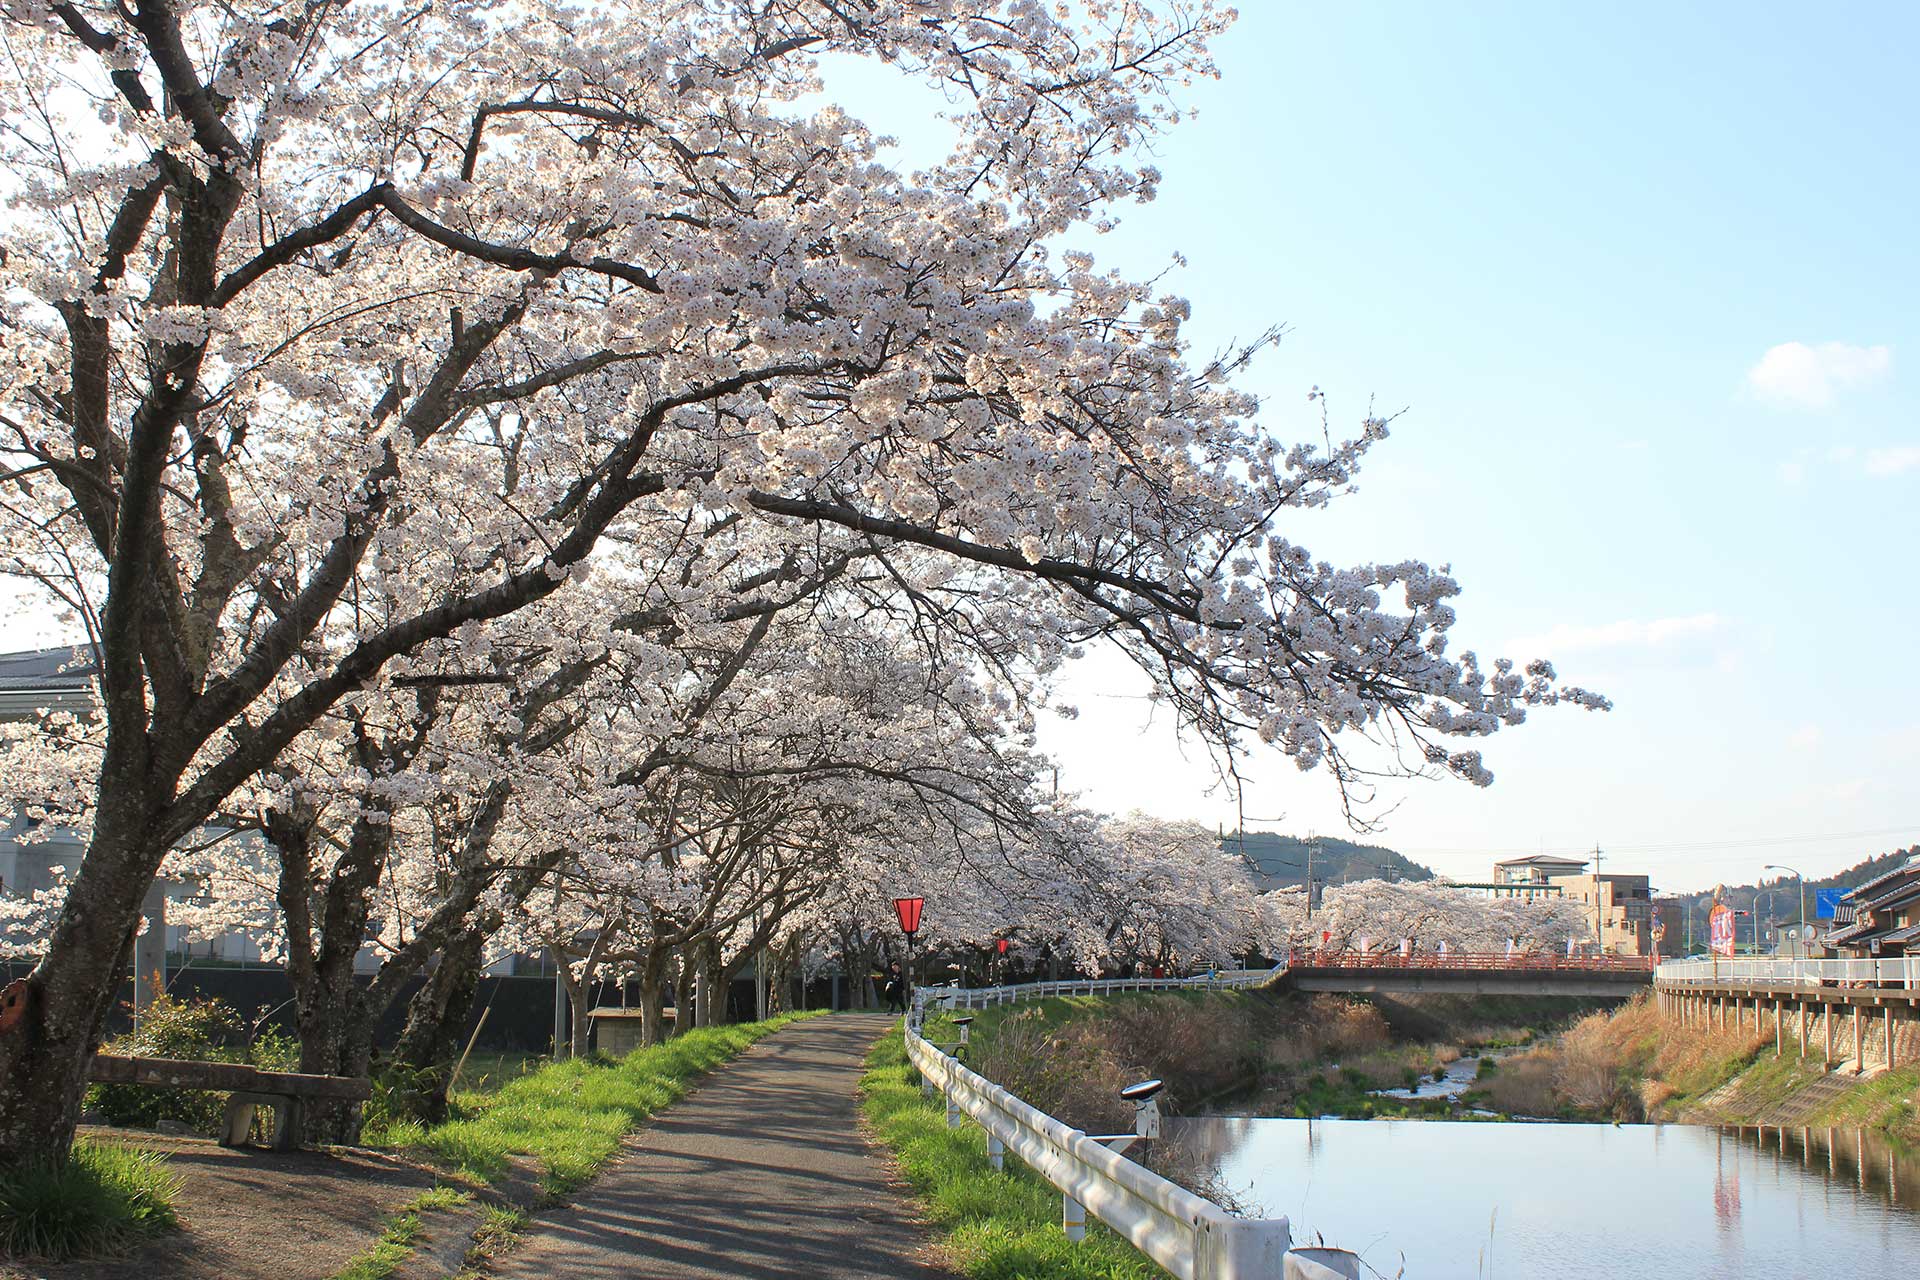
(1577, 1201)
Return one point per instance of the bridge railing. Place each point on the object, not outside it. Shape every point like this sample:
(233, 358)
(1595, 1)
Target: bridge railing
(1478, 960)
(1189, 1235)
(1708, 971)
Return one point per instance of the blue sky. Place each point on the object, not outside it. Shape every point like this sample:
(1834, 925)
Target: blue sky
(1566, 242)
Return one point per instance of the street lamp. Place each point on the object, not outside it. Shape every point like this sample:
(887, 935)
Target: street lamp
(908, 909)
(1001, 946)
(1802, 882)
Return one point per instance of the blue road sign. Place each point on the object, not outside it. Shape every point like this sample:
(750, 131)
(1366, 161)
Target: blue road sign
(1825, 901)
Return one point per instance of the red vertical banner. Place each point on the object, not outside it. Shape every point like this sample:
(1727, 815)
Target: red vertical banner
(1720, 926)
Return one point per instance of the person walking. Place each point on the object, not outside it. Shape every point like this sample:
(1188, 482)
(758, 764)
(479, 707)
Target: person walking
(896, 989)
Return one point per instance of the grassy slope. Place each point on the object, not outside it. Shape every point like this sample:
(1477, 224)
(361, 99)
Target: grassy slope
(996, 1226)
(1890, 1101)
(1709, 1076)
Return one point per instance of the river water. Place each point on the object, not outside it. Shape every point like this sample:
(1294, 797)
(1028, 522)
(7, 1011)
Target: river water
(1577, 1201)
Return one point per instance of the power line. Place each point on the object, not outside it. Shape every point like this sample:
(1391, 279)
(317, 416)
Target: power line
(1746, 842)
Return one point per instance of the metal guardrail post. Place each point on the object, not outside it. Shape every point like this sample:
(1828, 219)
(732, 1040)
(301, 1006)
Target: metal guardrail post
(1320, 1264)
(996, 1153)
(1073, 1218)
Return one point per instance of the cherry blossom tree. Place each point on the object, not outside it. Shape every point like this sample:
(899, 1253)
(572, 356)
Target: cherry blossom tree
(335, 333)
(1429, 913)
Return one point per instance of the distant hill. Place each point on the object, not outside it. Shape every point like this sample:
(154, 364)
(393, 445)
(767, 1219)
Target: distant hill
(1279, 860)
(1783, 906)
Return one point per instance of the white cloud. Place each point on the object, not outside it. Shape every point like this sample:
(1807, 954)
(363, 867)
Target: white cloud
(1625, 634)
(1792, 472)
(1797, 376)
(1891, 462)
(1806, 738)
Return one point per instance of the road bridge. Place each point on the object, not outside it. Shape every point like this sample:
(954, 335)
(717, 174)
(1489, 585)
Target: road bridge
(1467, 973)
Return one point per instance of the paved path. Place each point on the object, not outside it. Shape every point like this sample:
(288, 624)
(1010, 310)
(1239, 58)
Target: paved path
(761, 1172)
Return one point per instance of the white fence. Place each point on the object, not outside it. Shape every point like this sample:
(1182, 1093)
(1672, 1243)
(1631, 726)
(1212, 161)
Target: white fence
(1709, 971)
(1187, 1234)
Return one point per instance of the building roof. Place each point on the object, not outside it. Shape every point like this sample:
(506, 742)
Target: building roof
(65, 667)
(37, 681)
(1850, 934)
(1864, 890)
(1542, 860)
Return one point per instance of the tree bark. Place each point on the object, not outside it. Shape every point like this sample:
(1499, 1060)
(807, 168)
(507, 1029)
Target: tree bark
(436, 1021)
(653, 973)
(43, 1059)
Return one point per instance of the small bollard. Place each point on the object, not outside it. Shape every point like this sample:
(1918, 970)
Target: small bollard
(1320, 1264)
(1073, 1218)
(996, 1153)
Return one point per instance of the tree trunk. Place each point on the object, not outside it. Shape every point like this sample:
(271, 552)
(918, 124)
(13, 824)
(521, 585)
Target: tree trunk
(677, 971)
(578, 991)
(43, 1059)
(653, 973)
(713, 977)
(436, 1022)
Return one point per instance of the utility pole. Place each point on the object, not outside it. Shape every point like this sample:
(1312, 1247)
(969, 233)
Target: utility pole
(1311, 841)
(1599, 904)
(562, 1006)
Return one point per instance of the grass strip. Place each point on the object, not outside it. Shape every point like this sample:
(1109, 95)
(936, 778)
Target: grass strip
(569, 1117)
(996, 1226)
(103, 1198)
(1889, 1101)
(395, 1245)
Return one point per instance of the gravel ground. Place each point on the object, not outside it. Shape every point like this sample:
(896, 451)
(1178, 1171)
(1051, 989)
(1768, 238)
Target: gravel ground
(258, 1215)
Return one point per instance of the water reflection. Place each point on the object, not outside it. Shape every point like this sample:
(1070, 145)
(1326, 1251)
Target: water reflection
(1872, 1164)
(1463, 1199)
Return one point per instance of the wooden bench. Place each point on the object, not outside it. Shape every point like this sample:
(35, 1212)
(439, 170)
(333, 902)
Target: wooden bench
(286, 1092)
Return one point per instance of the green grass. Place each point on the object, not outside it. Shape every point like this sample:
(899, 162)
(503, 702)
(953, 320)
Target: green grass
(489, 1072)
(996, 1226)
(104, 1198)
(395, 1245)
(1888, 1101)
(499, 1229)
(569, 1117)
(1772, 1080)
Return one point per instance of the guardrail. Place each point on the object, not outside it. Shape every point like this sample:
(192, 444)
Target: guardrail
(1187, 1234)
(1708, 971)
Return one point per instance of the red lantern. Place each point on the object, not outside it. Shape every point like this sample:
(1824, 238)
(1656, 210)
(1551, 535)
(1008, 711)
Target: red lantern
(1002, 946)
(908, 909)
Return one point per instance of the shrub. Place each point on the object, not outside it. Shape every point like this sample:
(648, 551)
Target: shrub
(198, 1031)
(103, 1198)
(1525, 1084)
(1070, 1071)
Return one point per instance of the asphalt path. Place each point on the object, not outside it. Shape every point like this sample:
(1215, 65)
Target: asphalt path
(762, 1172)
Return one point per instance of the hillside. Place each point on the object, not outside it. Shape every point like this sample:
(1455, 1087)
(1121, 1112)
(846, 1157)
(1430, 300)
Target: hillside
(1784, 906)
(1282, 860)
